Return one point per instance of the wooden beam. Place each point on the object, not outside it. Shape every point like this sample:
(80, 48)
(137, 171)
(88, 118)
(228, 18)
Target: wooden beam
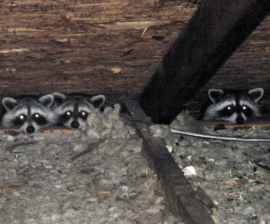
(47, 47)
(254, 122)
(215, 31)
(45, 130)
(180, 195)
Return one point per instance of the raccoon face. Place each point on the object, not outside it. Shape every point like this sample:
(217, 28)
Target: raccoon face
(28, 114)
(72, 111)
(233, 106)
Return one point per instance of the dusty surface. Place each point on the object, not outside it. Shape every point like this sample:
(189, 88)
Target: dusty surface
(236, 175)
(49, 178)
(111, 184)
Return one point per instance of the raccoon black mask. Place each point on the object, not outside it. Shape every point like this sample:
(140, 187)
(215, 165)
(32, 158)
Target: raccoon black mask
(72, 111)
(233, 106)
(28, 114)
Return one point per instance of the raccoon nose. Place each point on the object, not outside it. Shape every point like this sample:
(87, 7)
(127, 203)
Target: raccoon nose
(30, 129)
(240, 120)
(75, 124)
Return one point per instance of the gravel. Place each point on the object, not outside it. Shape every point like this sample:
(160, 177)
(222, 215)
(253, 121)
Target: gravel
(110, 184)
(236, 175)
(113, 183)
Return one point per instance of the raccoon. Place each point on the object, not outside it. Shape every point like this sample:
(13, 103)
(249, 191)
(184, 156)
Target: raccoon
(29, 114)
(72, 111)
(233, 106)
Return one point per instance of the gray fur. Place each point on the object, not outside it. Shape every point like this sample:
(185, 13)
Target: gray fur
(241, 100)
(28, 107)
(76, 104)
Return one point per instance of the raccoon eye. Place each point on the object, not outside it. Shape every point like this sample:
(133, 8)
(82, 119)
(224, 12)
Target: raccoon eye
(36, 115)
(83, 114)
(68, 113)
(229, 108)
(244, 107)
(22, 117)
(39, 119)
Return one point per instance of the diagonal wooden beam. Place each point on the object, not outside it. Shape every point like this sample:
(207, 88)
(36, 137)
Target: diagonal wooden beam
(215, 31)
(180, 195)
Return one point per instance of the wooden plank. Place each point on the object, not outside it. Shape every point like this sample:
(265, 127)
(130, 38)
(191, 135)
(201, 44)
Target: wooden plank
(215, 31)
(256, 123)
(45, 130)
(180, 194)
(140, 116)
(47, 47)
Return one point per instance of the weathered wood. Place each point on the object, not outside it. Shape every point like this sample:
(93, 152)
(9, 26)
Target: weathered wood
(108, 47)
(98, 47)
(255, 123)
(216, 30)
(180, 194)
(45, 130)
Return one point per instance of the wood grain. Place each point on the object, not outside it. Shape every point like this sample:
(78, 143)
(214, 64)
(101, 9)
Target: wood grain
(109, 47)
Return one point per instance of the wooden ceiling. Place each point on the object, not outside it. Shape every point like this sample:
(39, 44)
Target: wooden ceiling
(108, 47)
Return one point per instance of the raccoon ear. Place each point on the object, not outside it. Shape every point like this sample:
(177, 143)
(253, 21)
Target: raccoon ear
(59, 98)
(215, 95)
(97, 101)
(256, 94)
(9, 103)
(46, 100)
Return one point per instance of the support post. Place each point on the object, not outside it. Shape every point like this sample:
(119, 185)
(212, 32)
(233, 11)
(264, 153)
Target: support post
(215, 31)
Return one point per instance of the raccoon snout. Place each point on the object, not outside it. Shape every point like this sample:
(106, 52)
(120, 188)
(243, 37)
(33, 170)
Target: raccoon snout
(75, 124)
(30, 129)
(240, 120)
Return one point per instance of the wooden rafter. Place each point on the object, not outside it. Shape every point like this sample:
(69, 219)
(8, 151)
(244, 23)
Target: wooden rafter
(215, 31)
